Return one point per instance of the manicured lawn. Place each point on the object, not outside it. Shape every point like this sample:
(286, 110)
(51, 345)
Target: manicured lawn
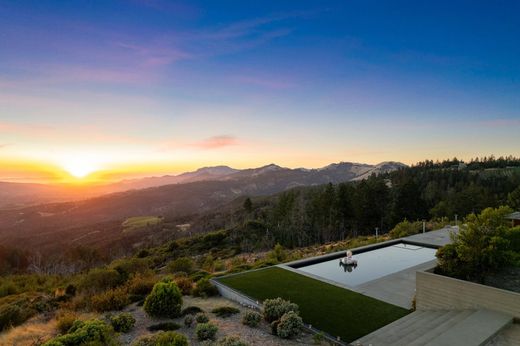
(338, 311)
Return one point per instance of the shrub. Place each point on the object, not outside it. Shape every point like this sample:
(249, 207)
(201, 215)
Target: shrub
(110, 300)
(405, 228)
(225, 311)
(13, 315)
(201, 318)
(318, 338)
(290, 325)
(171, 339)
(93, 332)
(100, 279)
(122, 323)
(127, 267)
(251, 318)
(232, 340)
(165, 300)
(191, 310)
(199, 274)
(64, 321)
(204, 288)
(185, 284)
(141, 285)
(165, 326)
(182, 264)
(275, 308)
(206, 331)
(188, 320)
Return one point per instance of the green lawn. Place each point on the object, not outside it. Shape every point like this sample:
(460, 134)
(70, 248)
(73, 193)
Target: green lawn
(138, 222)
(338, 311)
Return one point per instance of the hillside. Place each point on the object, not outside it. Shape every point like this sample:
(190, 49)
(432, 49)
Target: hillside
(85, 222)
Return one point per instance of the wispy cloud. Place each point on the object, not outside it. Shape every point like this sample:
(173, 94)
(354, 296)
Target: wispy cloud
(216, 142)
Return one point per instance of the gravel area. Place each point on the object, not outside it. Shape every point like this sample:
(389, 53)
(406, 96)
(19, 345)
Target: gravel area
(507, 279)
(227, 326)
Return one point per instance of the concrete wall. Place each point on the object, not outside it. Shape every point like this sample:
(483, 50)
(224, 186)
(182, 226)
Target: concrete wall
(236, 296)
(436, 292)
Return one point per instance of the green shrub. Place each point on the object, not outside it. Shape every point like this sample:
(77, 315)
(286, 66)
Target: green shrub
(141, 285)
(162, 339)
(165, 300)
(204, 288)
(128, 267)
(185, 284)
(199, 274)
(93, 332)
(65, 320)
(201, 318)
(7, 288)
(251, 318)
(182, 264)
(405, 228)
(100, 279)
(275, 308)
(188, 320)
(290, 325)
(123, 322)
(318, 338)
(110, 300)
(225, 311)
(232, 340)
(191, 310)
(165, 326)
(206, 331)
(12, 315)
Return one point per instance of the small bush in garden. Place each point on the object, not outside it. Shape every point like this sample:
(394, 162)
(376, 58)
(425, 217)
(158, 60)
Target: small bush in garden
(162, 339)
(232, 340)
(64, 321)
(185, 284)
(188, 320)
(165, 326)
(110, 300)
(318, 338)
(191, 310)
(122, 323)
(13, 315)
(225, 311)
(251, 318)
(206, 331)
(204, 288)
(200, 274)
(182, 264)
(290, 325)
(93, 332)
(201, 317)
(275, 308)
(165, 300)
(274, 327)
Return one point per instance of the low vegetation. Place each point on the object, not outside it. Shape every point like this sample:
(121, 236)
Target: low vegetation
(165, 300)
(325, 306)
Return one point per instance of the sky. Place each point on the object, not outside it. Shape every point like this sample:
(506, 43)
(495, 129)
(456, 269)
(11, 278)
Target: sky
(105, 90)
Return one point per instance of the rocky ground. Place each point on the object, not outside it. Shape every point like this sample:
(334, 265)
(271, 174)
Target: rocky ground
(227, 326)
(507, 279)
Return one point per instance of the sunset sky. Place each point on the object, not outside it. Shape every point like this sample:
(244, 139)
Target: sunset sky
(116, 89)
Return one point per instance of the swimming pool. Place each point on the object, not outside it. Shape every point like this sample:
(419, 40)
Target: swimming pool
(371, 264)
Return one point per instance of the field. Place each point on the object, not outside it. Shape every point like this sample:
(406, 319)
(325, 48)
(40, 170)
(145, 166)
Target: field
(338, 311)
(138, 222)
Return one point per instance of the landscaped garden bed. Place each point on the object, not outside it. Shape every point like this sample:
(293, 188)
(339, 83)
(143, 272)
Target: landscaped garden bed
(335, 310)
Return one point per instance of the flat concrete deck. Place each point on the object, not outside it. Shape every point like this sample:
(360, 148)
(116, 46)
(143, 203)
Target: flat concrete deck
(397, 288)
(436, 238)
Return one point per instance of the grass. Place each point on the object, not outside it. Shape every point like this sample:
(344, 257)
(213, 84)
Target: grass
(138, 222)
(337, 311)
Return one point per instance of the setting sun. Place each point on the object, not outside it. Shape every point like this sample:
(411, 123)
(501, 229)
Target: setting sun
(79, 167)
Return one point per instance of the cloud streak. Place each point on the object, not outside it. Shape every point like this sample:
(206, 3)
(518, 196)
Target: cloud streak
(216, 142)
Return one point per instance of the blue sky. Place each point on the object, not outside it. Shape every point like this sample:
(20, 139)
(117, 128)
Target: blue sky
(152, 86)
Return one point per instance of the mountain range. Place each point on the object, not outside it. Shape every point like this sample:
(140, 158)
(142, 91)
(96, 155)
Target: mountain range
(39, 222)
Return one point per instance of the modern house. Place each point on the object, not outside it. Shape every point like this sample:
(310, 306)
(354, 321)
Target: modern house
(515, 218)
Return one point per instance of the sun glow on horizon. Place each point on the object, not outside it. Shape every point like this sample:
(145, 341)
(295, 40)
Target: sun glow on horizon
(80, 167)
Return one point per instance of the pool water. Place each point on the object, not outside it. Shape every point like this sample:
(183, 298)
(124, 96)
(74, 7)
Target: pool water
(372, 264)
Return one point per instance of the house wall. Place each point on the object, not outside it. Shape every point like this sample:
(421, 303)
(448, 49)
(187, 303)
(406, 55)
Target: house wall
(436, 292)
